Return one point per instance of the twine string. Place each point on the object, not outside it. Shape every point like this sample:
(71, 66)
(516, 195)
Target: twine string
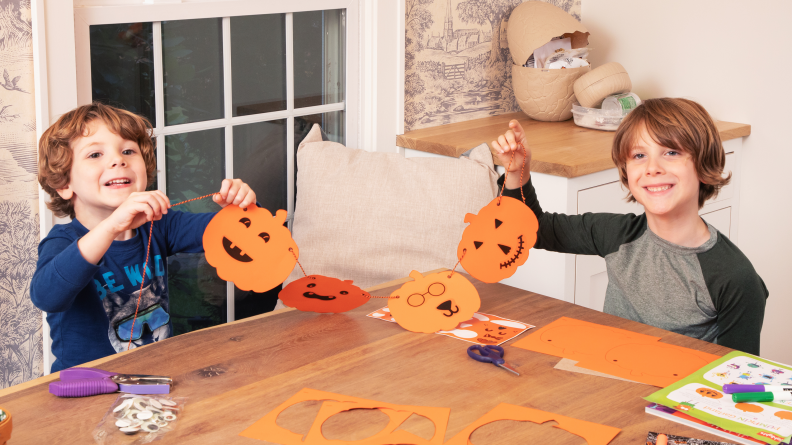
(522, 172)
(145, 265)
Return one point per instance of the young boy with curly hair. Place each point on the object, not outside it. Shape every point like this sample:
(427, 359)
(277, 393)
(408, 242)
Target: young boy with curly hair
(96, 163)
(666, 267)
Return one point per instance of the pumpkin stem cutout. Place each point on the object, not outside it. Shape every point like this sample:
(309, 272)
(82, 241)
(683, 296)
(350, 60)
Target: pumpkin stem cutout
(317, 293)
(435, 302)
(250, 247)
(497, 240)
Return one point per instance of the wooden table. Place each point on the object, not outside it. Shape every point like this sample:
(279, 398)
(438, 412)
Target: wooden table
(234, 374)
(557, 148)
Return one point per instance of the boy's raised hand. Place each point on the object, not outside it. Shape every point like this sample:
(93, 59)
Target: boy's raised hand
(509, 143)
(137, 209)
(234, 191)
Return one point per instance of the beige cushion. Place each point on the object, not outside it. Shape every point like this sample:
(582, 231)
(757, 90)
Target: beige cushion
(374, 217)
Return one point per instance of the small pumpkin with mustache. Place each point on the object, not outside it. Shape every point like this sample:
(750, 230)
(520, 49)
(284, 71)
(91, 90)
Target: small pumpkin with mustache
(435, 302)
(498, 239)
(250, 247)
(317, 293)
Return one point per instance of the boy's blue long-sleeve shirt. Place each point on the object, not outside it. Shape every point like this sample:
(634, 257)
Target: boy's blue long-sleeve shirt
(83, 301)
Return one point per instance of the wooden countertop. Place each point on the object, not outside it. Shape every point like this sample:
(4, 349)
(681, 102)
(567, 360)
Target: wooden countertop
(233, 374)
(558, 148)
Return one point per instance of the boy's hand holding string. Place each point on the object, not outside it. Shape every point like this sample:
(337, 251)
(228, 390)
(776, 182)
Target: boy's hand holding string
(508, 145)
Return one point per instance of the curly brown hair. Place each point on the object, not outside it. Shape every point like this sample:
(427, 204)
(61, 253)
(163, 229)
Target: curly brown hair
(55, 150)
(679, 124)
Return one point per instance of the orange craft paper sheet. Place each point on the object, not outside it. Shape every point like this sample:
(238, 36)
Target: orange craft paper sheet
(498, 239)
(593, 433)
(250, 247)
(435, 302)
(481, 329)
(267, 428)
(615, 351)
(397, 414)
(318, 293)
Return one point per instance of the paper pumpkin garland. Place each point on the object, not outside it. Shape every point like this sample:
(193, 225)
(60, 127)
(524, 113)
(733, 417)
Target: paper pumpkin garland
(497, 240)
(317, 293)
(435, 302)
(250, 247)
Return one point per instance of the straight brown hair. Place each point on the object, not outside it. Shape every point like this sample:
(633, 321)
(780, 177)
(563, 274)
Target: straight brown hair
(55, 151)
(679, 124)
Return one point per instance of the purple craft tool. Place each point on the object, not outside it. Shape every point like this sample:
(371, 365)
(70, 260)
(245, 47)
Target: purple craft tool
(83, 382)
(730, 388)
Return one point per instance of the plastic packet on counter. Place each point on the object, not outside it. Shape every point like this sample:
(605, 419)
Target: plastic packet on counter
(565, 55)
(137, 419)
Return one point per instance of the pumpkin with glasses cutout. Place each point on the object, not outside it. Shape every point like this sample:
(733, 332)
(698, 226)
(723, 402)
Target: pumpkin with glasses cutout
(435, 302)
(317, 293)
(250, 247)
(498, 239)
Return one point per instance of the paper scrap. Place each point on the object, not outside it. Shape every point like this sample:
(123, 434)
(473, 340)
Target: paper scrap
(482, 329)
(617, 352)
(593, 433)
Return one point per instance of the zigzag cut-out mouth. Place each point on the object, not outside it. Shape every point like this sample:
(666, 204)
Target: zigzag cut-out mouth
(516, 254)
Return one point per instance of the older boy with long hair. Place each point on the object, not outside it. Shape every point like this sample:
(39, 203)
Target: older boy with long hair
(666, 267)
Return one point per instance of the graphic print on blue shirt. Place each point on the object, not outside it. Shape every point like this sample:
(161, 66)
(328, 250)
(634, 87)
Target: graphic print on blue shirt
(119, 306)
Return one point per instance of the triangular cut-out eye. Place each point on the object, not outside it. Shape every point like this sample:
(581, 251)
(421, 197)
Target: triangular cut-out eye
(505, 249)
(245, 221)
(498, 223)
(477, 244)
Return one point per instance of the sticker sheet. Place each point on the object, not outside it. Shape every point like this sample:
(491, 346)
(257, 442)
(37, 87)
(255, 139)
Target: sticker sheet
(482, 329)
(700, 395)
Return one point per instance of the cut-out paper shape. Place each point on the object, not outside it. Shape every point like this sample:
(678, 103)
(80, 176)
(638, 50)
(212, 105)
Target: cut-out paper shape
(250, 247)
(617, 352)
(498, 239)
(481, 329)
(267, 428)
(593, 433)
(317, 293)
(397, 414)
(438, 301)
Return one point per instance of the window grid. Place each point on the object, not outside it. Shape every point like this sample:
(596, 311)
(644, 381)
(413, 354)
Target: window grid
(229, 121)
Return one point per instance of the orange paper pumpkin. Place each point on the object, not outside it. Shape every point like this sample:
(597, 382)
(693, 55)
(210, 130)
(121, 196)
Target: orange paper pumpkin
(250, 247)
(436, 302)
(497, 240)
(317, 293)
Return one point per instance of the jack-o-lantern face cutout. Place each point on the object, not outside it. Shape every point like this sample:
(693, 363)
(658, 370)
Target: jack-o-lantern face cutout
(250, 247)
(708, 392)
(317, 293)
(436, 302)
(497, 240)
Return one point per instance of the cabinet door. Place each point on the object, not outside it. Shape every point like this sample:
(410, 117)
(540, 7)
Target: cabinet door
(720, 219)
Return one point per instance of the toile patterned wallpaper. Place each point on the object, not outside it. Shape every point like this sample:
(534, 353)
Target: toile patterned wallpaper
(457, 62)
(21, 342)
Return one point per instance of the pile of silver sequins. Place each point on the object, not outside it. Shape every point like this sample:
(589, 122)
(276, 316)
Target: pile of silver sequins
(144, 413)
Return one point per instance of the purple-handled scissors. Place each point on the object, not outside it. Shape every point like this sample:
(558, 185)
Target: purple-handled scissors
(83, 382)
(490, 354)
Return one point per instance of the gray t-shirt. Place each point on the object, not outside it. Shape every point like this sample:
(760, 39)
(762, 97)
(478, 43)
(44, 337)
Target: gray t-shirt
(710, 292)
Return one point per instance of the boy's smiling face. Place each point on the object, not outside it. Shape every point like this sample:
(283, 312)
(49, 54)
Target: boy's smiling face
(662, 179)
(105, 170)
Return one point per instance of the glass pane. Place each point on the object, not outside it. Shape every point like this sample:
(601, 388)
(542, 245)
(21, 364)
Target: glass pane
(195, 167)
(319, 57)
(260, 161)
(192, 63)
(258, 63)
(122, 67)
